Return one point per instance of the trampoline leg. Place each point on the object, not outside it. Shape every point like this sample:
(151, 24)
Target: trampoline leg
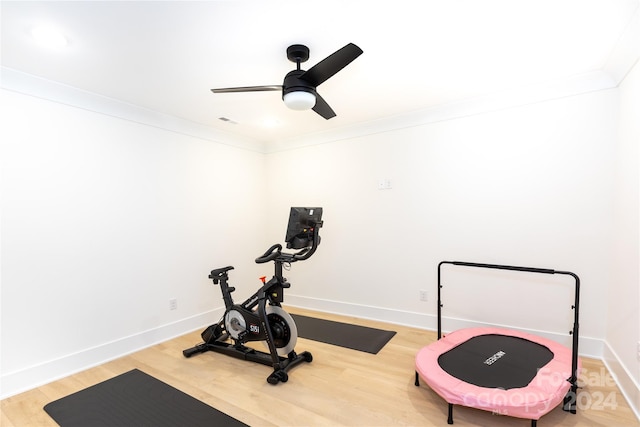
(570, 400)
(534, 423)
(450, 419)
(417, 380)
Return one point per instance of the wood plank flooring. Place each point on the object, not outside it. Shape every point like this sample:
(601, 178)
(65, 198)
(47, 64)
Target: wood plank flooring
(341, 387)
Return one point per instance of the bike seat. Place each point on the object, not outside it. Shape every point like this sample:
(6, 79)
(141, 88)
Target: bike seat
(219, 272)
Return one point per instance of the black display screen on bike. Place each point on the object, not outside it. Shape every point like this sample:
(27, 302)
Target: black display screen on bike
(302, 223)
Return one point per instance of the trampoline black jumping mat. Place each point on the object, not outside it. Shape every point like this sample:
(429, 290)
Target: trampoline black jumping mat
(135, 399)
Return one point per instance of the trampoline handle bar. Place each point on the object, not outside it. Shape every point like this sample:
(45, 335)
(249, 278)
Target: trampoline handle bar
(501, 267)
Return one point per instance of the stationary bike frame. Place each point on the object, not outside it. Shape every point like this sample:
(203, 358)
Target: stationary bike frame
(254, 311)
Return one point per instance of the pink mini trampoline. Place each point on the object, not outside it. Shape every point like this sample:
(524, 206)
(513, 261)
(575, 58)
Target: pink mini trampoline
(500, 370)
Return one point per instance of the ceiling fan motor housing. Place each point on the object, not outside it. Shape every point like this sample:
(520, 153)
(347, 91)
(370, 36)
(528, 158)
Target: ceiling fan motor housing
(293, 83)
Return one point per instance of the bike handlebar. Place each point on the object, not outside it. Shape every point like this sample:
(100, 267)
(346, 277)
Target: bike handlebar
(272, 253)
(275, 251)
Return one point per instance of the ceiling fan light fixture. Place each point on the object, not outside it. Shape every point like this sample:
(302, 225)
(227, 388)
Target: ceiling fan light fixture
(299, 100)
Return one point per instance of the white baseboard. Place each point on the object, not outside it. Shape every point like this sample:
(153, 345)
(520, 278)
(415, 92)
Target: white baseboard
(588, 347)
(25, 379)
(628, 386)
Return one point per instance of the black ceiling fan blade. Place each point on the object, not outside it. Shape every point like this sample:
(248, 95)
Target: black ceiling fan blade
(333, 63)
(323, 108)
(247, 89)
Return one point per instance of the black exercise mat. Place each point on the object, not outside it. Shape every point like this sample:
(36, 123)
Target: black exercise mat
(361, 338)
(135, 399)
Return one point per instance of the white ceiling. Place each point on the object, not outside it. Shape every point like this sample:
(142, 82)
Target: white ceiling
(166, 55)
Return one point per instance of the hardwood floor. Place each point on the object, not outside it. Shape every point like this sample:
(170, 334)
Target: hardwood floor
(340, 387)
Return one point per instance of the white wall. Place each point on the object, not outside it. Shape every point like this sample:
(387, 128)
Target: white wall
(103, 221)
(623, 320)
(531, 186)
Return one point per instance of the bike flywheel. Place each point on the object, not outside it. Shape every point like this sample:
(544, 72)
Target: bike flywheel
(283, 328)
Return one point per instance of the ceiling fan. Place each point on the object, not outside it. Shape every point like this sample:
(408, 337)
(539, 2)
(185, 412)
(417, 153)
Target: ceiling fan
(299, 86)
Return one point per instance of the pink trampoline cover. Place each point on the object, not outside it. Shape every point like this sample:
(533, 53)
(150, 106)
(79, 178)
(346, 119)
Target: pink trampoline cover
(546, 391)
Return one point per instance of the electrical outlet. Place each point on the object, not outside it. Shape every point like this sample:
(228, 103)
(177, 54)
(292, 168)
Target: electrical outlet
(384, 184)
(423, 295)
(173, 304)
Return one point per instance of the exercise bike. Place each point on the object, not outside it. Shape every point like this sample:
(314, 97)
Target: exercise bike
(260, 317)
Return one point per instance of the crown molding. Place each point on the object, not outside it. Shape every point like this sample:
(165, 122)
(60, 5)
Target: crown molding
(28, 84)
(515, 97)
